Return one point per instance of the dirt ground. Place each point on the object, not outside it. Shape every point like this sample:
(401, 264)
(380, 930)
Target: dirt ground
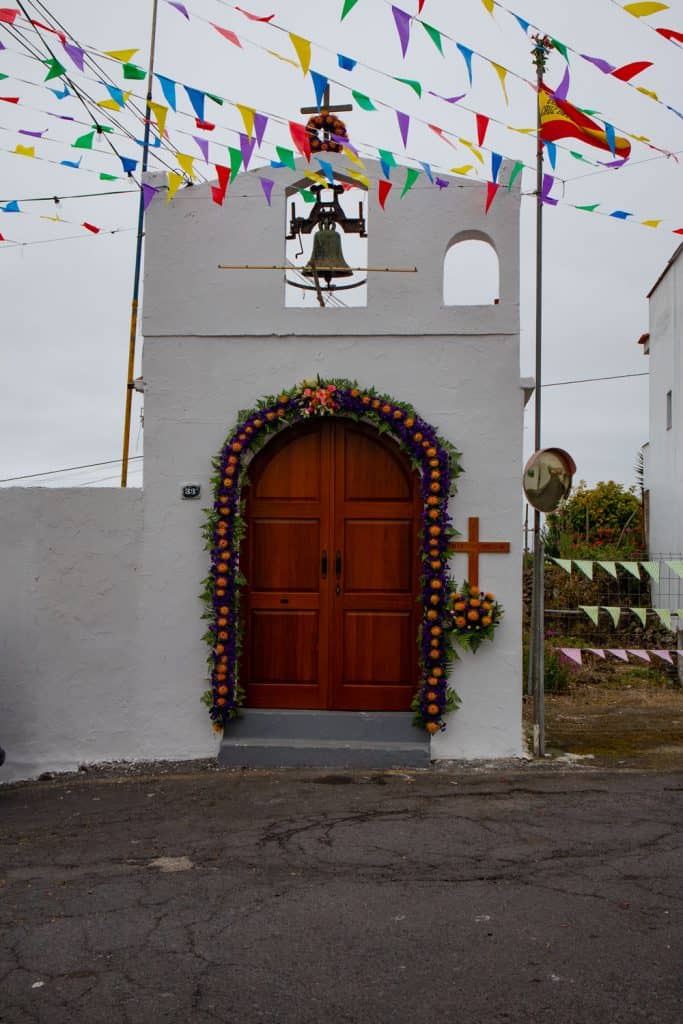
(624, 727)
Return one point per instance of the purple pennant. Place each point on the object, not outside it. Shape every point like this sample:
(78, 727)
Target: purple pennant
(260, 122)
(179, 7)
(448, 99)
(34, 135)
(402, 19)
(404, 125)
(75, 53)
(442, 183)
(548, 182)
(267, 186)
(2, 45)
(246, 149)
(562, 90)
(203, 146)
(613, 163)
(603, 65)
(341, 140)
(148, 194)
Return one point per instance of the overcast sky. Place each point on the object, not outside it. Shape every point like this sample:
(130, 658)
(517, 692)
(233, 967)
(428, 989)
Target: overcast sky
(66, 302)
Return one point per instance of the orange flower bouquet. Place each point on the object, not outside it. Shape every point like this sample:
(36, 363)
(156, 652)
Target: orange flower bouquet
(475, 616)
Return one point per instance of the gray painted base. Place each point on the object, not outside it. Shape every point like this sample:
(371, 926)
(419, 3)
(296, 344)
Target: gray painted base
(331, 739)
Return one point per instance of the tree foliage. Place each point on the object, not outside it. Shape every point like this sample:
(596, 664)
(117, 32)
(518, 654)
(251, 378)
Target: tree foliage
(604, 521)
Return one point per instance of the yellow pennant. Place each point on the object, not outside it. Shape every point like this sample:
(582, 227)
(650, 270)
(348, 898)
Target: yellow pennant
(280, 57)
(648, 92)
(488, 4)
(316, 176)
(174, 183)
(123, 55)
(303, 51)
(109, 104)
(160, 111)
(350, 155)
(358, 177)
(186, 162)
(502, 75)
(25, 151)
(643, 10)
(522, 131)
(650, 223)
(465, 169)
(57, 219)
(473, 149)
(248, 118)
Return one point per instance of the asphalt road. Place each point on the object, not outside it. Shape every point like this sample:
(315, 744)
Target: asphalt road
(296, 897)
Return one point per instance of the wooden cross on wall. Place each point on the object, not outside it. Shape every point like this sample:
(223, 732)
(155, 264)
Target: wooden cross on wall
(326, 105)
(473, 548)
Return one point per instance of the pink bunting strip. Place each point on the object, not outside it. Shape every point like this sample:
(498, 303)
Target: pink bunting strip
(643, 655)
(665, 656)
(227, 34)
(255, 17)
(618, 653)
(597, 652)
(572, 654)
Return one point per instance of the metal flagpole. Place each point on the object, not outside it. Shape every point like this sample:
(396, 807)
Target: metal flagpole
(138, 257)
(543, 46)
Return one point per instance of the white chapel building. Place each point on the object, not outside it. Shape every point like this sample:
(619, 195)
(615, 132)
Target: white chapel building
(318, 536)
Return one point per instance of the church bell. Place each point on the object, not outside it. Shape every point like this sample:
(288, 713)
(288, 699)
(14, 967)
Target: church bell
(327, 259)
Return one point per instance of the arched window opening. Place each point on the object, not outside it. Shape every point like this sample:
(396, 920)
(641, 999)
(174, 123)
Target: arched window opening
(471, 274)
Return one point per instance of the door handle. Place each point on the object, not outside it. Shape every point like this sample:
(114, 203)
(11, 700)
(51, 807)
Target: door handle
(323, 565)
(338, 564)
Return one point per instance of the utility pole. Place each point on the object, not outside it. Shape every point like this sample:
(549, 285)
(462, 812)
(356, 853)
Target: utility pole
(138, 257)
(542, 47)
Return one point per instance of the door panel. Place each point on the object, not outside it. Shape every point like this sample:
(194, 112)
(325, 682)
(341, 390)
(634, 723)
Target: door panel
(332, 561)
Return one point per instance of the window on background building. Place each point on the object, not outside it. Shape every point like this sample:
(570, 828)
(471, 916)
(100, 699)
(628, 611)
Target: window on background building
(471, 274)
(669, 410)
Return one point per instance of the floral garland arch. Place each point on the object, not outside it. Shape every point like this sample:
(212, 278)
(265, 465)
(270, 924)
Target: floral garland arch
(439, 465)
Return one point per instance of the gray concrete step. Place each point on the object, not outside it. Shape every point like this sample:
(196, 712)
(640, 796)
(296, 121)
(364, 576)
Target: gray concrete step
(334, 739)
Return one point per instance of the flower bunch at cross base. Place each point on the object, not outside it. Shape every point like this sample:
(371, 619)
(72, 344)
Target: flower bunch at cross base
(475, 616)
(438, 464)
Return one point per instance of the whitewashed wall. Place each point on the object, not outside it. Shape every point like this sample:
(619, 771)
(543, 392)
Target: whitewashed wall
(217, 341)
(69, 668)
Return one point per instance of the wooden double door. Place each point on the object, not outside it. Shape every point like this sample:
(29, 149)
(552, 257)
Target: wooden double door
(332, 563)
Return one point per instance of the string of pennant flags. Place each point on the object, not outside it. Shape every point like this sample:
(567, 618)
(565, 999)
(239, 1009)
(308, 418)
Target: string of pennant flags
(575, 655)
(646, 9)
(652, 568)
(663, 614)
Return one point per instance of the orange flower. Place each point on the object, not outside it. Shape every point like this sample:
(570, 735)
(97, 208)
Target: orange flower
(434, 462)
(232, 460)
(270, 416)
(224, 610)
(221, 582)
(397, 414)
(222, 635)
(431, 615)
(474, 602)
(281, 411)
(433, 513)
(376, 403)
(435, 565)
(258, 423)
(222, 690)
(222, 621)
(437, 671)
(436, 631)
(221, 702)
(431, 452)
(386, 409)
(435, 487)
(220, 593)
(432, 500)
(434, 531)
(217, 727)
(486, 621)
(242, 437)
(365, 399)
(222, 567)
(434, 654)
(460, 622)
(283, 399)
(418, 436)
(435, 599)
(435, 584)
(425, 445)
(489, 597)
(434, 641)
(248, 430)
(432, 726)
(219, 648)
(435, 474)
(473, 616)
(431, 695)
(410, 422)
(236, 446)
(433, 709)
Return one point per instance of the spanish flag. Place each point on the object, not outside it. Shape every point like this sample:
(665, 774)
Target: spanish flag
(561, 120)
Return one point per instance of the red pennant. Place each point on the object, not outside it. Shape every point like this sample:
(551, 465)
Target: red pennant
(420, 5)
(8, 15)
(90, 227)
(630, 71)
(218, 191)
(205, 125)
(254, 17)
(9, 99)
(2, 237)
(439, 131)
(383, 188)
(48, 28)
(678, 231)
(482, 125)
(670, 33)
(491, 189)
(227, 34)
(301, 139)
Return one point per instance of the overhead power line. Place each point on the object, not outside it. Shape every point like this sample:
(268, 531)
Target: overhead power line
(592, 380)
(68, 469)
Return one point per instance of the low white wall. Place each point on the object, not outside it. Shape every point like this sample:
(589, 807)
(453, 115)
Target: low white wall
(68, 627)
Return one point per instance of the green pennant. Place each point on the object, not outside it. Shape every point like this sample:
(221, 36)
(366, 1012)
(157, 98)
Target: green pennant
(103, 128)
(133, 71)
(363, 101)
(519, 166)
(652, 569)
(307, 195)
(108, 177)
(411, 177)
(640, 613)
(564, 563)
(216, 99)
(55, 69)
(614, 613)
(286, 157)
(585, 567)
(589, 209)
(415, 86)
(664, 615)
(610, 567)
(561, 48)
(434, 35)
(386, 157)
(84, 141)
(348, 6)
(631, 567)
(3, 76)
(577, 156)
(235, 162)
(592, 611)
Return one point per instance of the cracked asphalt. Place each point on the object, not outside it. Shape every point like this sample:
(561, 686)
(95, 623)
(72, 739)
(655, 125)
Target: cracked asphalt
(302, 896)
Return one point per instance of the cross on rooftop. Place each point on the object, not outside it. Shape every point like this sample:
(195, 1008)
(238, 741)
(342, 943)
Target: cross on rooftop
(326, 105)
